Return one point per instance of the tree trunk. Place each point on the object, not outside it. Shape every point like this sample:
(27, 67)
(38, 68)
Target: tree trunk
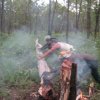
(65, 79)
(49, 19)
(78, 17)
(52, 20)
(68, 82)
(88, 18)
(62, 21)
(10, 17)
(2, 17)
(67, 24)
(36, 23)
(29, 13)
(72, 94)
(97, 14)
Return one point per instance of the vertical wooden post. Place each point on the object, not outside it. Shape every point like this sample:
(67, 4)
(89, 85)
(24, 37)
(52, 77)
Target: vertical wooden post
(72, 94)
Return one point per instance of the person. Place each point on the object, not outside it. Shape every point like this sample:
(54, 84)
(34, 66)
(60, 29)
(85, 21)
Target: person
(65, 49)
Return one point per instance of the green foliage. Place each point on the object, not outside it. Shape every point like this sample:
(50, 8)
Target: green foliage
(4, 92)
(15, 69)
(96, 96)
(21, 79)
(98, 44)
(22, 76)
(97, 86)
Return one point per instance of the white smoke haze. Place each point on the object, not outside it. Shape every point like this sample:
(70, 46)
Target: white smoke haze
(82, 46)
(80, 42)
(83, 71)
(18, 52)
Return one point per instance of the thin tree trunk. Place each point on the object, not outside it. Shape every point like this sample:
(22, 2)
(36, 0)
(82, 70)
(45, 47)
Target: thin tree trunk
(29, 13)
(2, 17)
(62, 22)
(88, 18)
(49, 19)
(83, 20)
(52, 20)
(36, 20)
(78, 17)
(10, 18)
(67, 24)
(97, 13)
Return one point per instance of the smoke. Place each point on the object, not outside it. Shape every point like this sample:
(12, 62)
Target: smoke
(17, 53)
(80, 42)
(82, 45)
(94, 69)
(50, 75)
(83, 71)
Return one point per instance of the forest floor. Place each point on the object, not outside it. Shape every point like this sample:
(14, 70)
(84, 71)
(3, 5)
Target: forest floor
(16, 93)
(24, 93)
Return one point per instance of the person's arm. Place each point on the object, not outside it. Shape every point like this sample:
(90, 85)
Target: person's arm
(54, 47)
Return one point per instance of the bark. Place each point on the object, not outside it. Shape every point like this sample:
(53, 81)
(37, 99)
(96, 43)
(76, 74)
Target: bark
(72, 94)
(62, 22)
(2, 17)
(78, 17)
(68, 83)
(67, 24)
(88, 18)
(29, 13)
(36, 23)
(10, 18)
(52, 20)
(49, 19)
(97, 24)
(65, 79)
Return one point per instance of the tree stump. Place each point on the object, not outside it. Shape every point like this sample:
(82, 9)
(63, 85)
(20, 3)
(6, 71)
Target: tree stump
(72, 94)
(68, 81)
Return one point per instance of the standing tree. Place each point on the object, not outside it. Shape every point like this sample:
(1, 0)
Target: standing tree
(76, 17)
(67, 24)
(36, 22)
(10, 16)
(55, 4)
(49, 19)
(29, 8)
(97, 14)
(2, 16)
(88, 18)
